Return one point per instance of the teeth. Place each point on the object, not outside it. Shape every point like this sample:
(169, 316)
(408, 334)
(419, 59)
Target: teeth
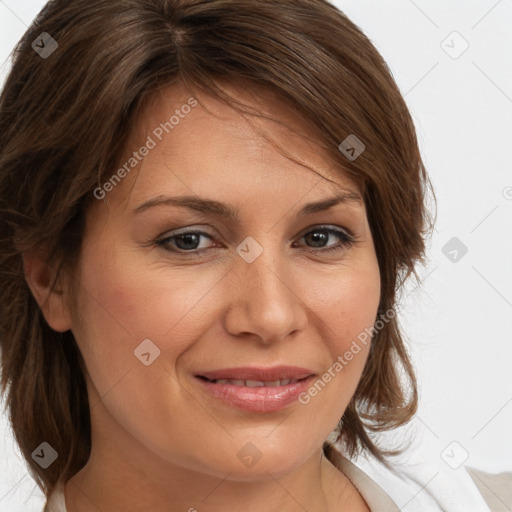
(255, 383)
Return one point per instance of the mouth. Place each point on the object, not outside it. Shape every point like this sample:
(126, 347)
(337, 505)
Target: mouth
(257, 389)
(253, 383)
(254, 374)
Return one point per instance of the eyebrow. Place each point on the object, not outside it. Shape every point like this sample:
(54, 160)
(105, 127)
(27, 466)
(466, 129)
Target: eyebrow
(223, 210)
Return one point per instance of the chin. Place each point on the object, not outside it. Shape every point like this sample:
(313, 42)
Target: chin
(250, 464)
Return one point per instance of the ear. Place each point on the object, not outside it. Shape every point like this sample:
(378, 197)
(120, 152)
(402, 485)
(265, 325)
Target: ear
(40, 276)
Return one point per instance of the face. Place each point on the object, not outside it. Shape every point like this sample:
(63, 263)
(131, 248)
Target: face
(173, 293)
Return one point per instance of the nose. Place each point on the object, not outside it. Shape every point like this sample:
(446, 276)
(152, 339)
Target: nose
(264, 300)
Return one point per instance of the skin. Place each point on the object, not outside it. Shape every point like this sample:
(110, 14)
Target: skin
(159, 441)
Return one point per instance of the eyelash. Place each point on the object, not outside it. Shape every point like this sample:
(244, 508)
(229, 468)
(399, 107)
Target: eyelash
(347, 240)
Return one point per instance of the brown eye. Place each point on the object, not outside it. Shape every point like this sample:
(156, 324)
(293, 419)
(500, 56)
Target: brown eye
(320, 237)
(185, 242)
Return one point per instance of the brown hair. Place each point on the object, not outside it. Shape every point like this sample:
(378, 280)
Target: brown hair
(64, 123)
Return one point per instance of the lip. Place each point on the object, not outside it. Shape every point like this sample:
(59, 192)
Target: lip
(257, 399)
(259, 373)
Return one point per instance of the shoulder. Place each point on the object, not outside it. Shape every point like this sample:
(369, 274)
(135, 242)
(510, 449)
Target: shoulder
(423, 485)
(496, 489)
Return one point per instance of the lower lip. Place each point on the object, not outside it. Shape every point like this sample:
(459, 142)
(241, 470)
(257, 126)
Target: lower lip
(260, 399)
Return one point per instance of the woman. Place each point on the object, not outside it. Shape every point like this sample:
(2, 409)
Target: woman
(207, 209)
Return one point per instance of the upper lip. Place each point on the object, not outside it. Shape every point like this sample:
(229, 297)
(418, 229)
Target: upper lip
(257, 373)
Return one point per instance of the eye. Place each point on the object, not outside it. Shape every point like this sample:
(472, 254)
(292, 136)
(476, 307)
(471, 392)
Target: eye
(319, 237)
(186, 241)
(189, 242)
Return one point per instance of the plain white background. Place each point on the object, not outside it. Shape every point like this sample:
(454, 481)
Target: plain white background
(457, 323)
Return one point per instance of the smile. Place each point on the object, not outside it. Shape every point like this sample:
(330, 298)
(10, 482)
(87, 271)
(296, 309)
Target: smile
(256, 389)
(255, 383)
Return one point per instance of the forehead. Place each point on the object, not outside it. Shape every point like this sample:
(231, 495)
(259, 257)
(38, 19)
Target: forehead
(196, 144)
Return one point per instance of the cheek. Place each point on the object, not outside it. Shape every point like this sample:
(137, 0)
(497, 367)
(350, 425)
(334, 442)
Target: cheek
(346, 308)
(348, 305)
(124, 302)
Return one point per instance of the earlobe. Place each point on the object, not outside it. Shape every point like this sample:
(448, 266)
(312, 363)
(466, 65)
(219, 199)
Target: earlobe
(39, 276)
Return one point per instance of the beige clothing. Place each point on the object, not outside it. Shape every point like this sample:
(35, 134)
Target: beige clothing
(495, 488)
